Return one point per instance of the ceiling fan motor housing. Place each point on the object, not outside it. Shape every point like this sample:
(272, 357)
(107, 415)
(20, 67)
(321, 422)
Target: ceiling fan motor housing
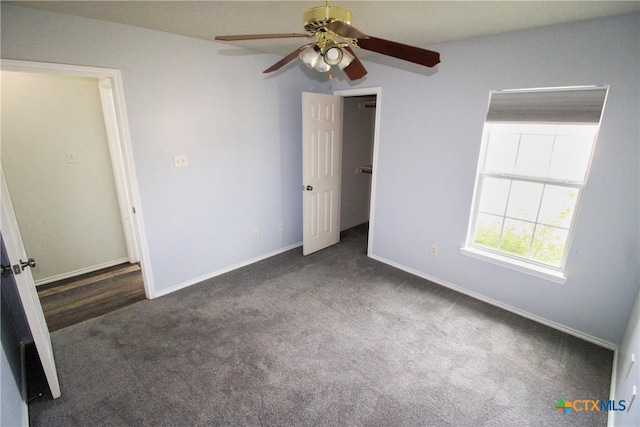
(318, 17)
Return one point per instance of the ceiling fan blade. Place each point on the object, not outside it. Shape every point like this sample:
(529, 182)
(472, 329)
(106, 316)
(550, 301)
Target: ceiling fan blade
(345, 30)
(355, 70)
(258, 37)
(413, 54)
(284, 61)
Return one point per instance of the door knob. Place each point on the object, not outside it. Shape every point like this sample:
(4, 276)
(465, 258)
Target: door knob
(29, 263)
(309, 188)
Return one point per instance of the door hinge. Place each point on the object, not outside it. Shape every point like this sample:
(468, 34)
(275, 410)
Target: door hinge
(133, 209)
(15, 269)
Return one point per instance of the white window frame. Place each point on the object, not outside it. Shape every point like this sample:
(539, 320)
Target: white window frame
(522, 264)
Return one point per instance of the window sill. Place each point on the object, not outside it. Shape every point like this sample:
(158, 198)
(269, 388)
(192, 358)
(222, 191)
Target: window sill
(523, 267)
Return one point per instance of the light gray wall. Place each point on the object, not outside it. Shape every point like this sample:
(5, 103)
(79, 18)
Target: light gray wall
(239, 129)
(430, 131)
(357, 150)
(67, 212)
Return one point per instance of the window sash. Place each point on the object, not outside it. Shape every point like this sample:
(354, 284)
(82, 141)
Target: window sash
(526, 178)
(557, 134)
(529, 258)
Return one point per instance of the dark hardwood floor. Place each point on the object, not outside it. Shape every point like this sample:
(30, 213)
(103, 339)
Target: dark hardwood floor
(80, 298)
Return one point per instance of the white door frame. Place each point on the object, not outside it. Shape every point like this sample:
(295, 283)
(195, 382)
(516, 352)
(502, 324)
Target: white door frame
(112, 94)
(117, 163)
(377, 91)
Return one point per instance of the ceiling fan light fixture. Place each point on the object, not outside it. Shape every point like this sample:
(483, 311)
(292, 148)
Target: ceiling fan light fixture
(334, 39)
(346, 59)
(333, 55)
(322, 66)
(310, 56)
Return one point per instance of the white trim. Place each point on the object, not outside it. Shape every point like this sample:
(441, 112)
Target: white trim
(128, 166)
(25, 413)
(514, 264)
(480, 297)
(363, 91)
(377, 91)
(117, 164)
(612, 389)
(81, 271)
(225, 270)
(552, 88)
(57, 69)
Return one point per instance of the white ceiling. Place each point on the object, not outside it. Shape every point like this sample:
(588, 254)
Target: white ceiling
(419, 23)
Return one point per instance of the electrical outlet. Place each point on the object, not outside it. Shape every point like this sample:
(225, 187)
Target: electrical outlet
(180, 161)
(256, 234)
(434, 250)
(71, 157)
(281, 227)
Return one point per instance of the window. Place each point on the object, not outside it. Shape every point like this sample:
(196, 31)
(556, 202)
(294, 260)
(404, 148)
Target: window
(534, 160)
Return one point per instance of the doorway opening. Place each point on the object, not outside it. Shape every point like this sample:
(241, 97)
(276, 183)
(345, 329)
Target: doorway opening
(322, 157)
(116, 181)
(361, 117)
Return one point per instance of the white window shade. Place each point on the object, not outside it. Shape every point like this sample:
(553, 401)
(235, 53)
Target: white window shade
(574, 105)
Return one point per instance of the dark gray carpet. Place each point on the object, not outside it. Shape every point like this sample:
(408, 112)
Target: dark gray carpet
(334, 338)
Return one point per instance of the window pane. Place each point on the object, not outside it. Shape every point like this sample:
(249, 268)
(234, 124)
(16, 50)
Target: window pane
(501, 152)
(494, 193)
(524, 200)
(570, 157)
(534, 155)
(516, 237)
(488, 228)
(558, 205)
(548, 244)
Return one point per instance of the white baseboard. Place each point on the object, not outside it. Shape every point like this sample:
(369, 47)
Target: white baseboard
(225, 270)
(519, 312)
(81, 271)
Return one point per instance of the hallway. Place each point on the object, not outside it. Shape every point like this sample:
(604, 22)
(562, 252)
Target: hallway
(84, 297)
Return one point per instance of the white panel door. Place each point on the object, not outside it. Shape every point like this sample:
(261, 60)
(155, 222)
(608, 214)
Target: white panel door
(321, 170)
(27, 290)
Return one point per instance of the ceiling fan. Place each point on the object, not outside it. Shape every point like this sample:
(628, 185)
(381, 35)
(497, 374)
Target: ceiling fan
(334, 39)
